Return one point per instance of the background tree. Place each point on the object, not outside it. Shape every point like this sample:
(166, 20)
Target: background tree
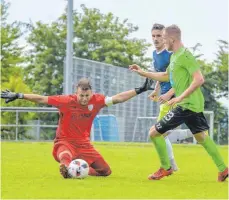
(97, 36)
(105, 38)
(216, 87)
(221, 69)
(12, 60)
(11, 52)
(15, 84)
(221, 88)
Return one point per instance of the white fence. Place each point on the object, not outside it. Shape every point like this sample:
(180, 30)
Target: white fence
(105, 127)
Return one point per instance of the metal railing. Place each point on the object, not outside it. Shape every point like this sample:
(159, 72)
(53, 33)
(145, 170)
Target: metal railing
(18, 110)
(95, 131)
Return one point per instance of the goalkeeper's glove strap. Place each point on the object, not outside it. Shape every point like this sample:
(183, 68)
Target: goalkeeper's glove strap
(139, 90)
(20, 95)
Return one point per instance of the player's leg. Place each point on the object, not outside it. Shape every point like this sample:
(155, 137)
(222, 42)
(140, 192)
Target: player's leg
(63, 154)
(164, 109)
(98, 166)
(170, 154)
(199, 127)
(170, 121)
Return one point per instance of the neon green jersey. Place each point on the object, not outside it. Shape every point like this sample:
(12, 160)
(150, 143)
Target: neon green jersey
(182, 66)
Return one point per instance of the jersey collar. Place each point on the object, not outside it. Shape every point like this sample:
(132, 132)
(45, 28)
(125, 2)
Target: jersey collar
(158, 52)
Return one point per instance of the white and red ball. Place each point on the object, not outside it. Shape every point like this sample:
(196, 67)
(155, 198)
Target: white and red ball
(78, 168)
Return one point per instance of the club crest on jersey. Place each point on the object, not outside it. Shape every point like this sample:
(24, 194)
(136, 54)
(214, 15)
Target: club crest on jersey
(90, 107)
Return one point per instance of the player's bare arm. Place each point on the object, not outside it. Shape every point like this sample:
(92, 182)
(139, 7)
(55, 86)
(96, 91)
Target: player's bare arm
(154, 95)
(158, 76)
(11, 96)
(36, 98)
(198, 80)
(167, 96)
(124, 96)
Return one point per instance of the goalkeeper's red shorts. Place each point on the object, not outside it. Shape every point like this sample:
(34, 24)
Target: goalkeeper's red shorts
(78, 151)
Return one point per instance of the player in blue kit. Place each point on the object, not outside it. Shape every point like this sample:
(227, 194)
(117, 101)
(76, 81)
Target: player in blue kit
(163, 90)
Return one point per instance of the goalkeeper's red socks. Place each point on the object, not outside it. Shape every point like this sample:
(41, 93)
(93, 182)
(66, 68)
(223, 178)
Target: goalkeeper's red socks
(65, 159)
(64, 155)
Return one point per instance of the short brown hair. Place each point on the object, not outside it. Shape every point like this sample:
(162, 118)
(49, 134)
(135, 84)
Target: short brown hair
(174, 31)
(84, 84)
(157, 27)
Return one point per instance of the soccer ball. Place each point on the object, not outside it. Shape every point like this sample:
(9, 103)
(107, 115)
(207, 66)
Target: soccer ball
(78, 168)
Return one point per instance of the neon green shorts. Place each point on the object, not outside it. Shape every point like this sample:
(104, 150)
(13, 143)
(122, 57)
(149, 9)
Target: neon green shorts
(164, 109)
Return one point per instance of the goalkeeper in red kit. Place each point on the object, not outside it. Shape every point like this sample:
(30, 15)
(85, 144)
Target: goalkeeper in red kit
(77, 112)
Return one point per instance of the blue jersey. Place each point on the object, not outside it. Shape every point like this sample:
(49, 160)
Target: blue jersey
(160, 63)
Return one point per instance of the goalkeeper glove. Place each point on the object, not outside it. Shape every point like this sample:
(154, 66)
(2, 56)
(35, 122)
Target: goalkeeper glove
(146, 86)
(11, 96)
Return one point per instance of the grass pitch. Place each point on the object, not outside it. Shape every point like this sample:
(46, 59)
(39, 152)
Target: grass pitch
(30, 172)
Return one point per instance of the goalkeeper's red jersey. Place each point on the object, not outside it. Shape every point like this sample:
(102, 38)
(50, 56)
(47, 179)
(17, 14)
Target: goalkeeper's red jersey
(75, 120)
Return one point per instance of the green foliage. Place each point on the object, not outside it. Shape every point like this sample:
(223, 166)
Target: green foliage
(221, 88)
(97, 36)
(46, 59)
(104, 38)
(11, 52)
(15, 84)
(215, 87)
(221, 69)
(12, 72)
(195, 50)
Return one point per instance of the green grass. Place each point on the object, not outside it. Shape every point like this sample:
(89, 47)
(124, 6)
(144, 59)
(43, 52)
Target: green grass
(29, 171)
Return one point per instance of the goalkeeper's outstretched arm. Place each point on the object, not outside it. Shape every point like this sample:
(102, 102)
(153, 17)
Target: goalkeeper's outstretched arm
(36, 98)
(123, 96)
(11, 96)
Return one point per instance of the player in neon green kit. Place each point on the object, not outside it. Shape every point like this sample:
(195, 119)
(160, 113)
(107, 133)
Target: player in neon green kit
(186, 78)
(163, 90)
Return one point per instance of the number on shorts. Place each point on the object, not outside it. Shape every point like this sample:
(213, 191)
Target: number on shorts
(169, 116)
(158, 126)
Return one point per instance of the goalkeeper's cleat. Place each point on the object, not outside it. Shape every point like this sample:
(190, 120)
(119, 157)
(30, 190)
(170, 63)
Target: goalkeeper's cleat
(174, 165)
(64, 170)
(160, 174)
(223, 175)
